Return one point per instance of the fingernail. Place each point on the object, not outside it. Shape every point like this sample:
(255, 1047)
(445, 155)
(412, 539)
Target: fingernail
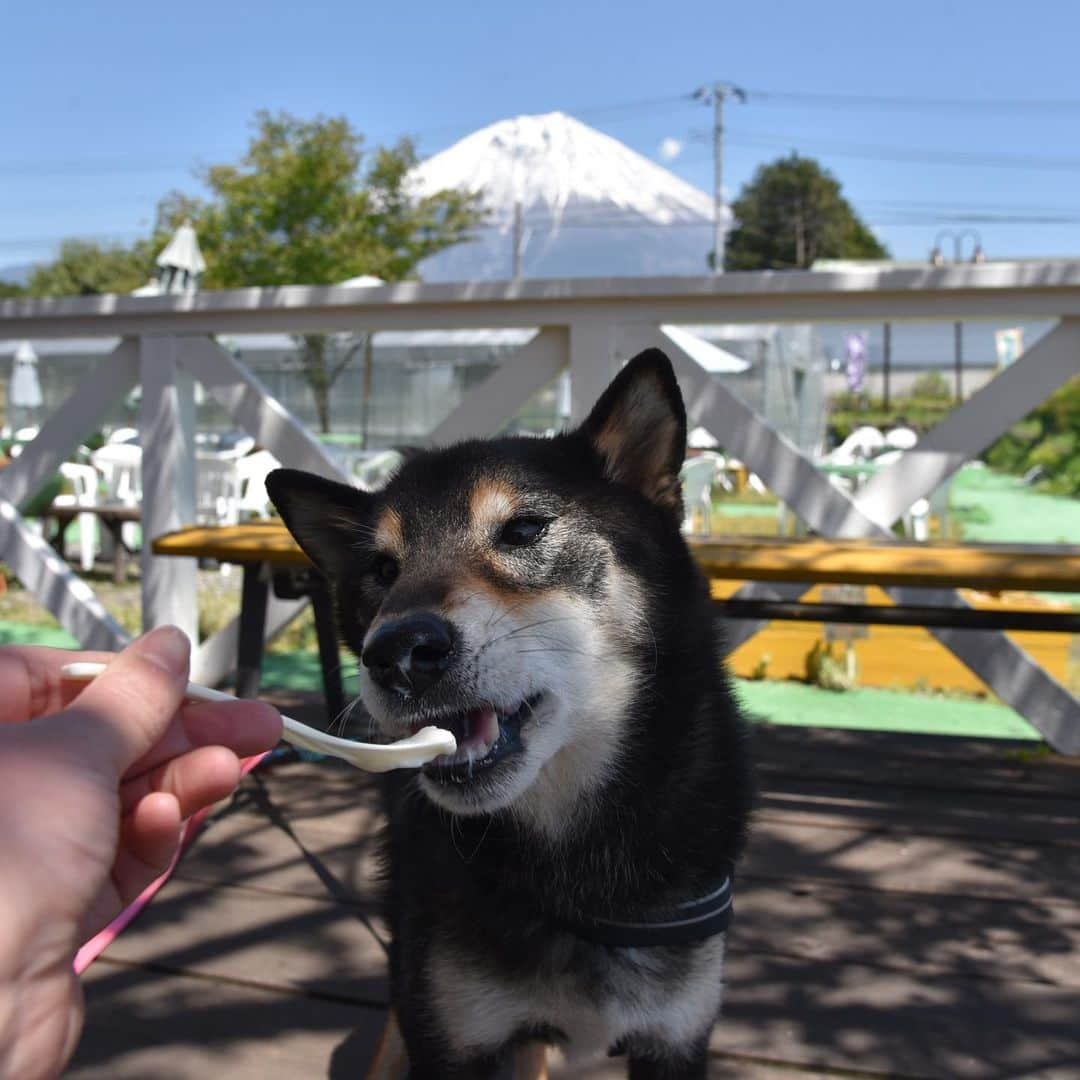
(168, 647)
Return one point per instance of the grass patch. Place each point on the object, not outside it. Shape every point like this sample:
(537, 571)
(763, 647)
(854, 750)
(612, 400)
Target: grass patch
(794, 703)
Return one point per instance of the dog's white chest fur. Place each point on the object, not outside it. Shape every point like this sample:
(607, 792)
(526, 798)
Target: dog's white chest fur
(478, 1009)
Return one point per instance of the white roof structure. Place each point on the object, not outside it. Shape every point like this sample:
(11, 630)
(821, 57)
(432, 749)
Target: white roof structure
(24, 389)
(182, 252)
(180, 264)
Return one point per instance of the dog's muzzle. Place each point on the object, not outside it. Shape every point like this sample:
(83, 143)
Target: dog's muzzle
(409, 655)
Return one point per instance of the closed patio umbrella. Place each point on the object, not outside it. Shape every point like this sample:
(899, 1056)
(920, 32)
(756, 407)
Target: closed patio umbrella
(24, 390)
(180, 266)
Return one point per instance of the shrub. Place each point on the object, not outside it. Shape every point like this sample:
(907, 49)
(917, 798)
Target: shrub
(1048, 437)
(933, 385)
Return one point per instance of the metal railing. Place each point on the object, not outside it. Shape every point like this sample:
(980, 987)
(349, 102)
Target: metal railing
(588, 326)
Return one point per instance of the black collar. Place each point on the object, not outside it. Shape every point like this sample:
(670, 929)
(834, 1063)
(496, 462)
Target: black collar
(690, 922)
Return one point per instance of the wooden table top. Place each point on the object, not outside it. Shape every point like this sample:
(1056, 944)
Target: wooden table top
(259, 541)
(813, 560)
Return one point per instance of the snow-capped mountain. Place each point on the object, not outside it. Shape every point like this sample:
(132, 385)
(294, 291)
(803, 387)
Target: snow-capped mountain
(589, 205)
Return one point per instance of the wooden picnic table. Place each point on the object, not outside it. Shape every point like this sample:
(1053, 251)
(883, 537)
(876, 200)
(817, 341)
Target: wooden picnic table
(253, 542)
(270, 556)
(990, 567)
(113, 517)
(814, 560)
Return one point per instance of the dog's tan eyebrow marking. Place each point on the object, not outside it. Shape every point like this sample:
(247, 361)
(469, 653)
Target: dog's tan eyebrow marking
(389, 536)
(491, 503)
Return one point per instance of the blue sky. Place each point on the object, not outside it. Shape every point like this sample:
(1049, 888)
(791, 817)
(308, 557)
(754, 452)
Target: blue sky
(106, 106)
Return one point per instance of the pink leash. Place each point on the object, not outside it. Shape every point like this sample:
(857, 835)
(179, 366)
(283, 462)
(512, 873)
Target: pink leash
(104, 938)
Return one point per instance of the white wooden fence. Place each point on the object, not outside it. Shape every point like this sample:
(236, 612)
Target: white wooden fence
(588, 326)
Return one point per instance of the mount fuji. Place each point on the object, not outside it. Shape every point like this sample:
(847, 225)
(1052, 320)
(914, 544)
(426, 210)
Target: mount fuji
(589, 205)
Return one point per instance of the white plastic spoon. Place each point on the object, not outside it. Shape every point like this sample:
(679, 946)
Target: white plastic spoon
(409, 753)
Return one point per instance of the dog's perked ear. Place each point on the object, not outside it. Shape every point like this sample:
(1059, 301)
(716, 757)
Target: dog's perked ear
(638, 427)
(327, 519)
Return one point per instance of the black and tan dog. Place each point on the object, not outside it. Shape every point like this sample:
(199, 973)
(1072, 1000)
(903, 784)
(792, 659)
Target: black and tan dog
(567, 873)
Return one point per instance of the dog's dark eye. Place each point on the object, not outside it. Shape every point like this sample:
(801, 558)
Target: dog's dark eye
(385, 569)
(522, 531)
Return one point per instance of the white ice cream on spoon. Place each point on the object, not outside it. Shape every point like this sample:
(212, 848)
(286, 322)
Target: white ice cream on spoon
(410, 753)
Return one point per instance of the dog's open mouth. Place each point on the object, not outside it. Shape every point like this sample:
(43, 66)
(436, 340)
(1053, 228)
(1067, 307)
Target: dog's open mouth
(485, 736)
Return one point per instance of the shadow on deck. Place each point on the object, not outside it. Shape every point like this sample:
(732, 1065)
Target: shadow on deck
(908, 909)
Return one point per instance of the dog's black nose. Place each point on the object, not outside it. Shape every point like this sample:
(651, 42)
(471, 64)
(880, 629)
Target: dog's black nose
(407, 656)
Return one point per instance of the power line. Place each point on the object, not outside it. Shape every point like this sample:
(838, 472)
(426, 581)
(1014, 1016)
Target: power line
(997, 160)
(640, 105)
(881, 213)
(117, 237)
(878, 101)
(943, 206)
(91, 167)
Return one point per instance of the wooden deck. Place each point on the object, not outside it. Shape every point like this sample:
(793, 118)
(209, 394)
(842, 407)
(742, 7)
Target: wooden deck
(908, 909)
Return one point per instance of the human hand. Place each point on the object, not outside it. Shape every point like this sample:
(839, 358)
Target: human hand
(94, 783)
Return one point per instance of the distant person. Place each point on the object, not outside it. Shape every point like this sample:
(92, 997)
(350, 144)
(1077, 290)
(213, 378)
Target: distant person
(94, 784)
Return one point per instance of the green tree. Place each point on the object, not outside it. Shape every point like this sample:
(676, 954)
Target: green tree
(792, 213)
(85, 268)
(10, 288)
(1048, 438)
(307, 205)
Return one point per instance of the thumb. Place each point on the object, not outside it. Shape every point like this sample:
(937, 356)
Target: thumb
(128, 707)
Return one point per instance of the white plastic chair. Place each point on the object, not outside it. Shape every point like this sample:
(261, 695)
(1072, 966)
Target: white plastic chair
(901, 438)
(232, 445)
(252, 472)
(123, 435)
(217, 490)
(120, 465)
(697, 475)
(372, 469)
(84, 482)
(863, 443)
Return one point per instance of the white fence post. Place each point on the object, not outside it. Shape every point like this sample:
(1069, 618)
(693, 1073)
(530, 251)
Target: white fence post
(169, 593)
(263, 417)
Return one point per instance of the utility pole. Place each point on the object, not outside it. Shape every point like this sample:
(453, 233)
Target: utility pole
(958, 359)
(517, 241)
(937, 258)
(886, 363)
(715, 96)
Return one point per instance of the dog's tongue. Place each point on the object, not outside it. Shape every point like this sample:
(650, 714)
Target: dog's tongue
(481, 728)
(479, 731)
